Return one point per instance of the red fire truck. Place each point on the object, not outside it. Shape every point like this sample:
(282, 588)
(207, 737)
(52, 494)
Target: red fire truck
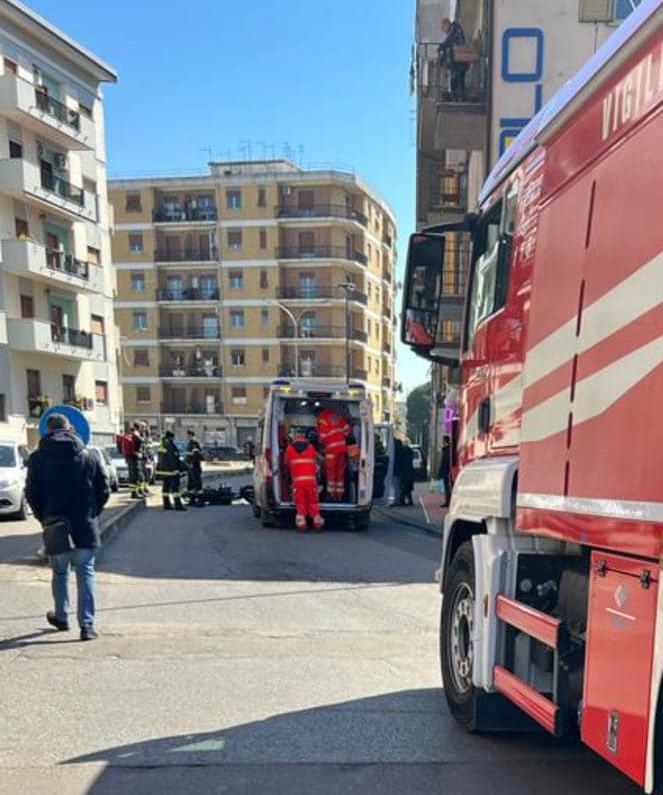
(552, 612)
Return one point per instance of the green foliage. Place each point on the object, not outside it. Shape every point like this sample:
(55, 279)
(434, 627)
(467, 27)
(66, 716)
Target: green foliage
(419, 414)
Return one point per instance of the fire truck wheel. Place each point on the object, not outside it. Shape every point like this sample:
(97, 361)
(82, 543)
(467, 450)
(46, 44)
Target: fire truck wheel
(456, 630)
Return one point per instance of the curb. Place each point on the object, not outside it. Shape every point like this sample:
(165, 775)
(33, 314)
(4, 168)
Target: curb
(108, 529)
(424, 528)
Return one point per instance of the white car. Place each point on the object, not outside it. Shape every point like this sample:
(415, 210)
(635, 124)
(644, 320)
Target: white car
(13, 458)
(119, 465)
(109, 466)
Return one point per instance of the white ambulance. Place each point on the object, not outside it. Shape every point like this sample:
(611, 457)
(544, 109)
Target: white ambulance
(295, 404)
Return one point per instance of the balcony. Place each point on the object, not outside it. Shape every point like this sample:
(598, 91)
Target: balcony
(311, 370)
(386, 348)
(30, 259)
(314, 292)
(186, 254)
(387, 276)
(359, 374)
(388, 240)
(20, 179)
(170, 214)
(386, 383)
(193, 332)
(43, 337)
(310, 333)
(202, 407)
(191, 371)
(359, 335)
(32, 108)
(286, 212)
(188, 294)
(321, 252)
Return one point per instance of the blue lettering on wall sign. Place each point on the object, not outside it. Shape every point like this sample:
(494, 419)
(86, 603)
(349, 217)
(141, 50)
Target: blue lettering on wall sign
(510, 127)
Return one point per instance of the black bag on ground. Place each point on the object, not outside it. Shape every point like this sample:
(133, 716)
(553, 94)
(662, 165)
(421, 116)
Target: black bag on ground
(57, 535)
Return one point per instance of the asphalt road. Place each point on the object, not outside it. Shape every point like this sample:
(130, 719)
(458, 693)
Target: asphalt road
(237, 659)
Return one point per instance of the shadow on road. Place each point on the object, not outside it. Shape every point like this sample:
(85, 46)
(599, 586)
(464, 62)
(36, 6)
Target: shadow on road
(402, 742)
(227, 543)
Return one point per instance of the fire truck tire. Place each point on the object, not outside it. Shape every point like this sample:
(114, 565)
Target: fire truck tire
(456, 627)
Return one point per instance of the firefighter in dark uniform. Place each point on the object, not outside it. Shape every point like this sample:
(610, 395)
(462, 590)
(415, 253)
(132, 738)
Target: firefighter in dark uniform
(194, 461)
(170, 467)
(134, 455)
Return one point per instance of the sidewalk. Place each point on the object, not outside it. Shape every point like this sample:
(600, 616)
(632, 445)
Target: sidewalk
(426, 514)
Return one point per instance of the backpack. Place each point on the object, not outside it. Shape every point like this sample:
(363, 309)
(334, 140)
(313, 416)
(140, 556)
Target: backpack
(127, 445)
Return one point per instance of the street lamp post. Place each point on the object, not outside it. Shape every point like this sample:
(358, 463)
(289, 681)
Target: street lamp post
(295, 323)
(347, 287)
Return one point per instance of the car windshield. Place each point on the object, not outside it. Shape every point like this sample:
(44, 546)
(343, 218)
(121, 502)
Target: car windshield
(7, 456)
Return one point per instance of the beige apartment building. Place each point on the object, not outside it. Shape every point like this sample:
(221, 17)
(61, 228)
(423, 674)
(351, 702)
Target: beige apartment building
(257, 271)
(57, 342)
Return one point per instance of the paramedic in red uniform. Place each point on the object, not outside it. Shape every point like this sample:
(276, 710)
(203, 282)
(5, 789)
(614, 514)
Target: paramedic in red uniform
(301, 458)
(333, 431)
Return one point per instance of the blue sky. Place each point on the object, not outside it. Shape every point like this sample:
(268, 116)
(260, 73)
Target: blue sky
(331, 77)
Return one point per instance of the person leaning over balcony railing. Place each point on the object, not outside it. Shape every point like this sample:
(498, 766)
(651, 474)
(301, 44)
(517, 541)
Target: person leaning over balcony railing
(453, 37)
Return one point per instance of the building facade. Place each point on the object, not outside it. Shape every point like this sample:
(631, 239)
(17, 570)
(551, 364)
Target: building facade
(256, 271)
(517, 55)
(57, 341)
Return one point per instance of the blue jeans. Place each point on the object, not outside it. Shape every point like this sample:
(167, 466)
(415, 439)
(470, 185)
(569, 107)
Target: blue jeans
(82, 560)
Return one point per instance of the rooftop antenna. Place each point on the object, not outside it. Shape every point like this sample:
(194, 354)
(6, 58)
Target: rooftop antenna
(300, 154)
(245, 149)
(208, 149)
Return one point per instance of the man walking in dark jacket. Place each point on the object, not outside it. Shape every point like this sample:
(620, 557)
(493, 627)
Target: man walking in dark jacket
(65, 480)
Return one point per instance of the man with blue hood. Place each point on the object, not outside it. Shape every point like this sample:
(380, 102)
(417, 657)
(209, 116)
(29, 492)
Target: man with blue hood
(65, 480)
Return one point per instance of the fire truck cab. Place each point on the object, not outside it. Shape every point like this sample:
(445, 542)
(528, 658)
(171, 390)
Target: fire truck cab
(551, 611)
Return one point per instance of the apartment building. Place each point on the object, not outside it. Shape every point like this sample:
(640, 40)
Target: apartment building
(516, 56)
(256, 271)
(56, 280)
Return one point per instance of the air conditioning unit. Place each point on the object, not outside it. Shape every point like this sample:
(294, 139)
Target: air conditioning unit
(88, 404)
(59, 160)
(596, 11)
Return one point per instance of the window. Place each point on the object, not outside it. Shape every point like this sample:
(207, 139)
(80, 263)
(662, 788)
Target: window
(624, 7)
(238, 394)
(21, 226)
(262, 197)
(15, 150)
(27, 306)
(264, 279)
(101, 392)
(136, 242)
(235, 239)
(3, 409)
(141, 357)
(138, 282)
(264, 317)
(370, 328)
(34, 383)
(236, 280)
(237, 318)
(234, 199)
(263, 239)
(143, 394)
(97, 325)
(139, 321)
(238, 358)
(265, 395)
(492, 262)
(85, 110)
(11, 67)
(93, 255)
(68, 388)
(265, 355)
(306, 242)
(133, 203)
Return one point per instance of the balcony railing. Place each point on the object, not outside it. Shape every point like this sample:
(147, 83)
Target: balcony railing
(387, 276)
(309, 333)
(357, 372)
(386, 311)
(358, 334)
(71, 336)
(188, 294)
(312, 370)
(66, 263)
(61, 187)
(386, 383)
(191, 371)
(386, 347)
(57, 109)
(320, 252)
(388, 240)
(307, 292)
(177, 214)
(185, 255)
(322, 211)
(195, 407)
(190, 333)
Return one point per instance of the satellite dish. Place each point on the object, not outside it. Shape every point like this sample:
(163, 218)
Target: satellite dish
(77, 419)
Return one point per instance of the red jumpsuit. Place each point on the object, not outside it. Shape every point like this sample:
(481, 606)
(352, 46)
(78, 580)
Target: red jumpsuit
(301, 459)
(333, 432)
